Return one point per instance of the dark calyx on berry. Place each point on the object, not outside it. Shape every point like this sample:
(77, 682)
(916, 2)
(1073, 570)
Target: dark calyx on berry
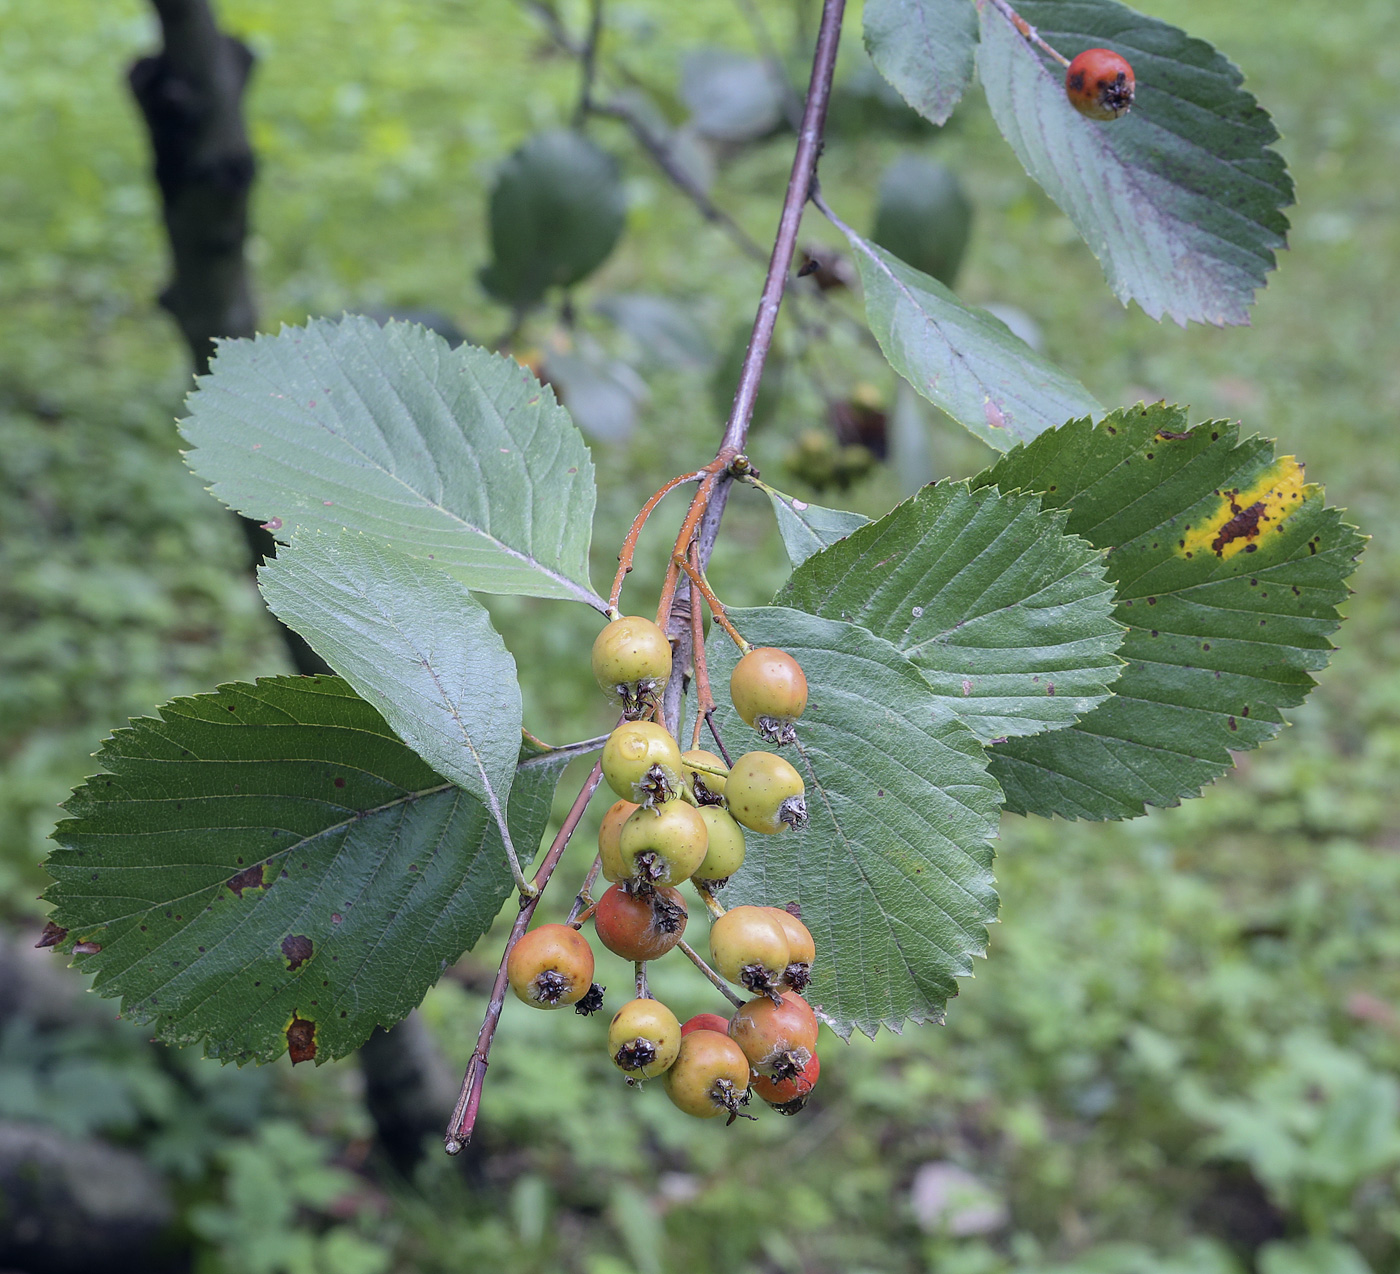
(635, 1054)
(591, 1002)
(551, 987)
(656, 786)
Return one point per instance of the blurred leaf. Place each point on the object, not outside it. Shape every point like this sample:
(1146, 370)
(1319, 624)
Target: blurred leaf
(602, 394)
(809, 528)
(1008, 618)
(1312, 1256)
(925, 48)
(893, 872)
(910, 459)
(666, 330)
(1228, 567)
(557, 211)
(457, 455)
(271, 853)
(963, 360)
(1180, 199)
(413, 642)
(923, 216)
(731, 97)
(725, 379)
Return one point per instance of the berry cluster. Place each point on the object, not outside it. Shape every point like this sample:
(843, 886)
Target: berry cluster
(680, 817)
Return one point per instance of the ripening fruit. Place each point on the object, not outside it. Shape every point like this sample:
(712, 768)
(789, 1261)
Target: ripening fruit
(788, 1096)
(642, 763)
(802, 950)
(709, 1077)
(640, 926)
(632, 662)
(769, 690)
(748, 946)
(705, 1022)
(778, 1039)
(724, 854)
(643, 1039)
(705, 788)
(765, 793)
(1100, 84)
(609, 839)
(663, 845)
(551, 966)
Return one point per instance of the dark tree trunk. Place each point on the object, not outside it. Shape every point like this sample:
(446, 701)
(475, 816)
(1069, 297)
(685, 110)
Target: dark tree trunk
(191, 94)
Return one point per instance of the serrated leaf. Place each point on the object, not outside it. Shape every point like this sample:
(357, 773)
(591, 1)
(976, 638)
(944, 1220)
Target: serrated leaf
(809, 528)
(557, 210)
(925, 48)
(413, 642)
(923, 216)
(271, 855)
(963, 360)
(1228, 569)
(1180, 199)
(1008, 618)
(459, 455)
(893, 873)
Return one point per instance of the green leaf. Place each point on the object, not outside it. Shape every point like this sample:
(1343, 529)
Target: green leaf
(557, 211)
(893, 873)
(271, 854)
(923, 216)
(731, 98)
(1008, 618)
(414, 643)
(925, 48)
(963, 360)
(1228, 569)
(808, 528)
(1180, 199)
(456, 455)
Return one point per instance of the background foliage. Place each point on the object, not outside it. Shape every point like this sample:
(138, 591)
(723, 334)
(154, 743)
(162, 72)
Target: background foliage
(1184, 1047)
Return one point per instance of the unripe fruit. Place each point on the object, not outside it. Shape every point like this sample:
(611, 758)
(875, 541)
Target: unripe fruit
(1100, 84)
(610, 837)
(642, 763)
(640, 926)
(632, 662)
(769, 690)
(706, 788)
(643, 1039)
(709, 1077)
(765, 793)
(550, 967)
(749, 947)
(662, 846)
(778, 1039)
(706, 1022)
(802, 950)
(788, 1096)
(725, 852)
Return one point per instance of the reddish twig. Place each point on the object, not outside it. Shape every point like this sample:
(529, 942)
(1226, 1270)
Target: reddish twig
(698, 581)
(459, 1129)
(629, 544)
(1027, 31)
(721, 985)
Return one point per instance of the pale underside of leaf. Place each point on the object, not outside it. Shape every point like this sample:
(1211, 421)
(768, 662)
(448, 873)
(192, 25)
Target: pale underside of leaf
(271, 854)
(1229, 568)
(893, 873)
(459, 456)
(963, 360)
(1009, 619)
(1180, 199)
(809, 528)
(925, 48)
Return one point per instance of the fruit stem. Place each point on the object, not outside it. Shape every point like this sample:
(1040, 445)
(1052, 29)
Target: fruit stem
(694, 957)
(583, 900)
(697, 579)
(714, 730)
(643, 986)
(629, 545)
(459, 1128)
(1027, 31)
(712, 904)
(704, 698)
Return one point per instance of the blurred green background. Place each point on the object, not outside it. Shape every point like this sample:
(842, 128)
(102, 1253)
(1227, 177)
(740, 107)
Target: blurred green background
(1181, 1056)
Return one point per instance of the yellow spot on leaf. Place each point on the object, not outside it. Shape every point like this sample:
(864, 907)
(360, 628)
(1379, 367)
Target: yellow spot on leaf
(1246, 516)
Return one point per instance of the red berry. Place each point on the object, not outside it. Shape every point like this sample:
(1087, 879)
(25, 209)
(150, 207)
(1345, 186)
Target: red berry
(640, 926)
(1099, 83)
(778, 1039)
(706, 1022)
(709, 1077)
(749, 946)
(610, 839)
(550, 967)
(788, 1096)
(769, 691)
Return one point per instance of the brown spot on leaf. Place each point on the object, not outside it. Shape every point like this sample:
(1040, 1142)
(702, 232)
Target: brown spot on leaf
(340, 782)
(1166, 435)
(301, 1039)
(249, 878)
(297, 948)
(86, 948)
(1233, 724)
(51, 936)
